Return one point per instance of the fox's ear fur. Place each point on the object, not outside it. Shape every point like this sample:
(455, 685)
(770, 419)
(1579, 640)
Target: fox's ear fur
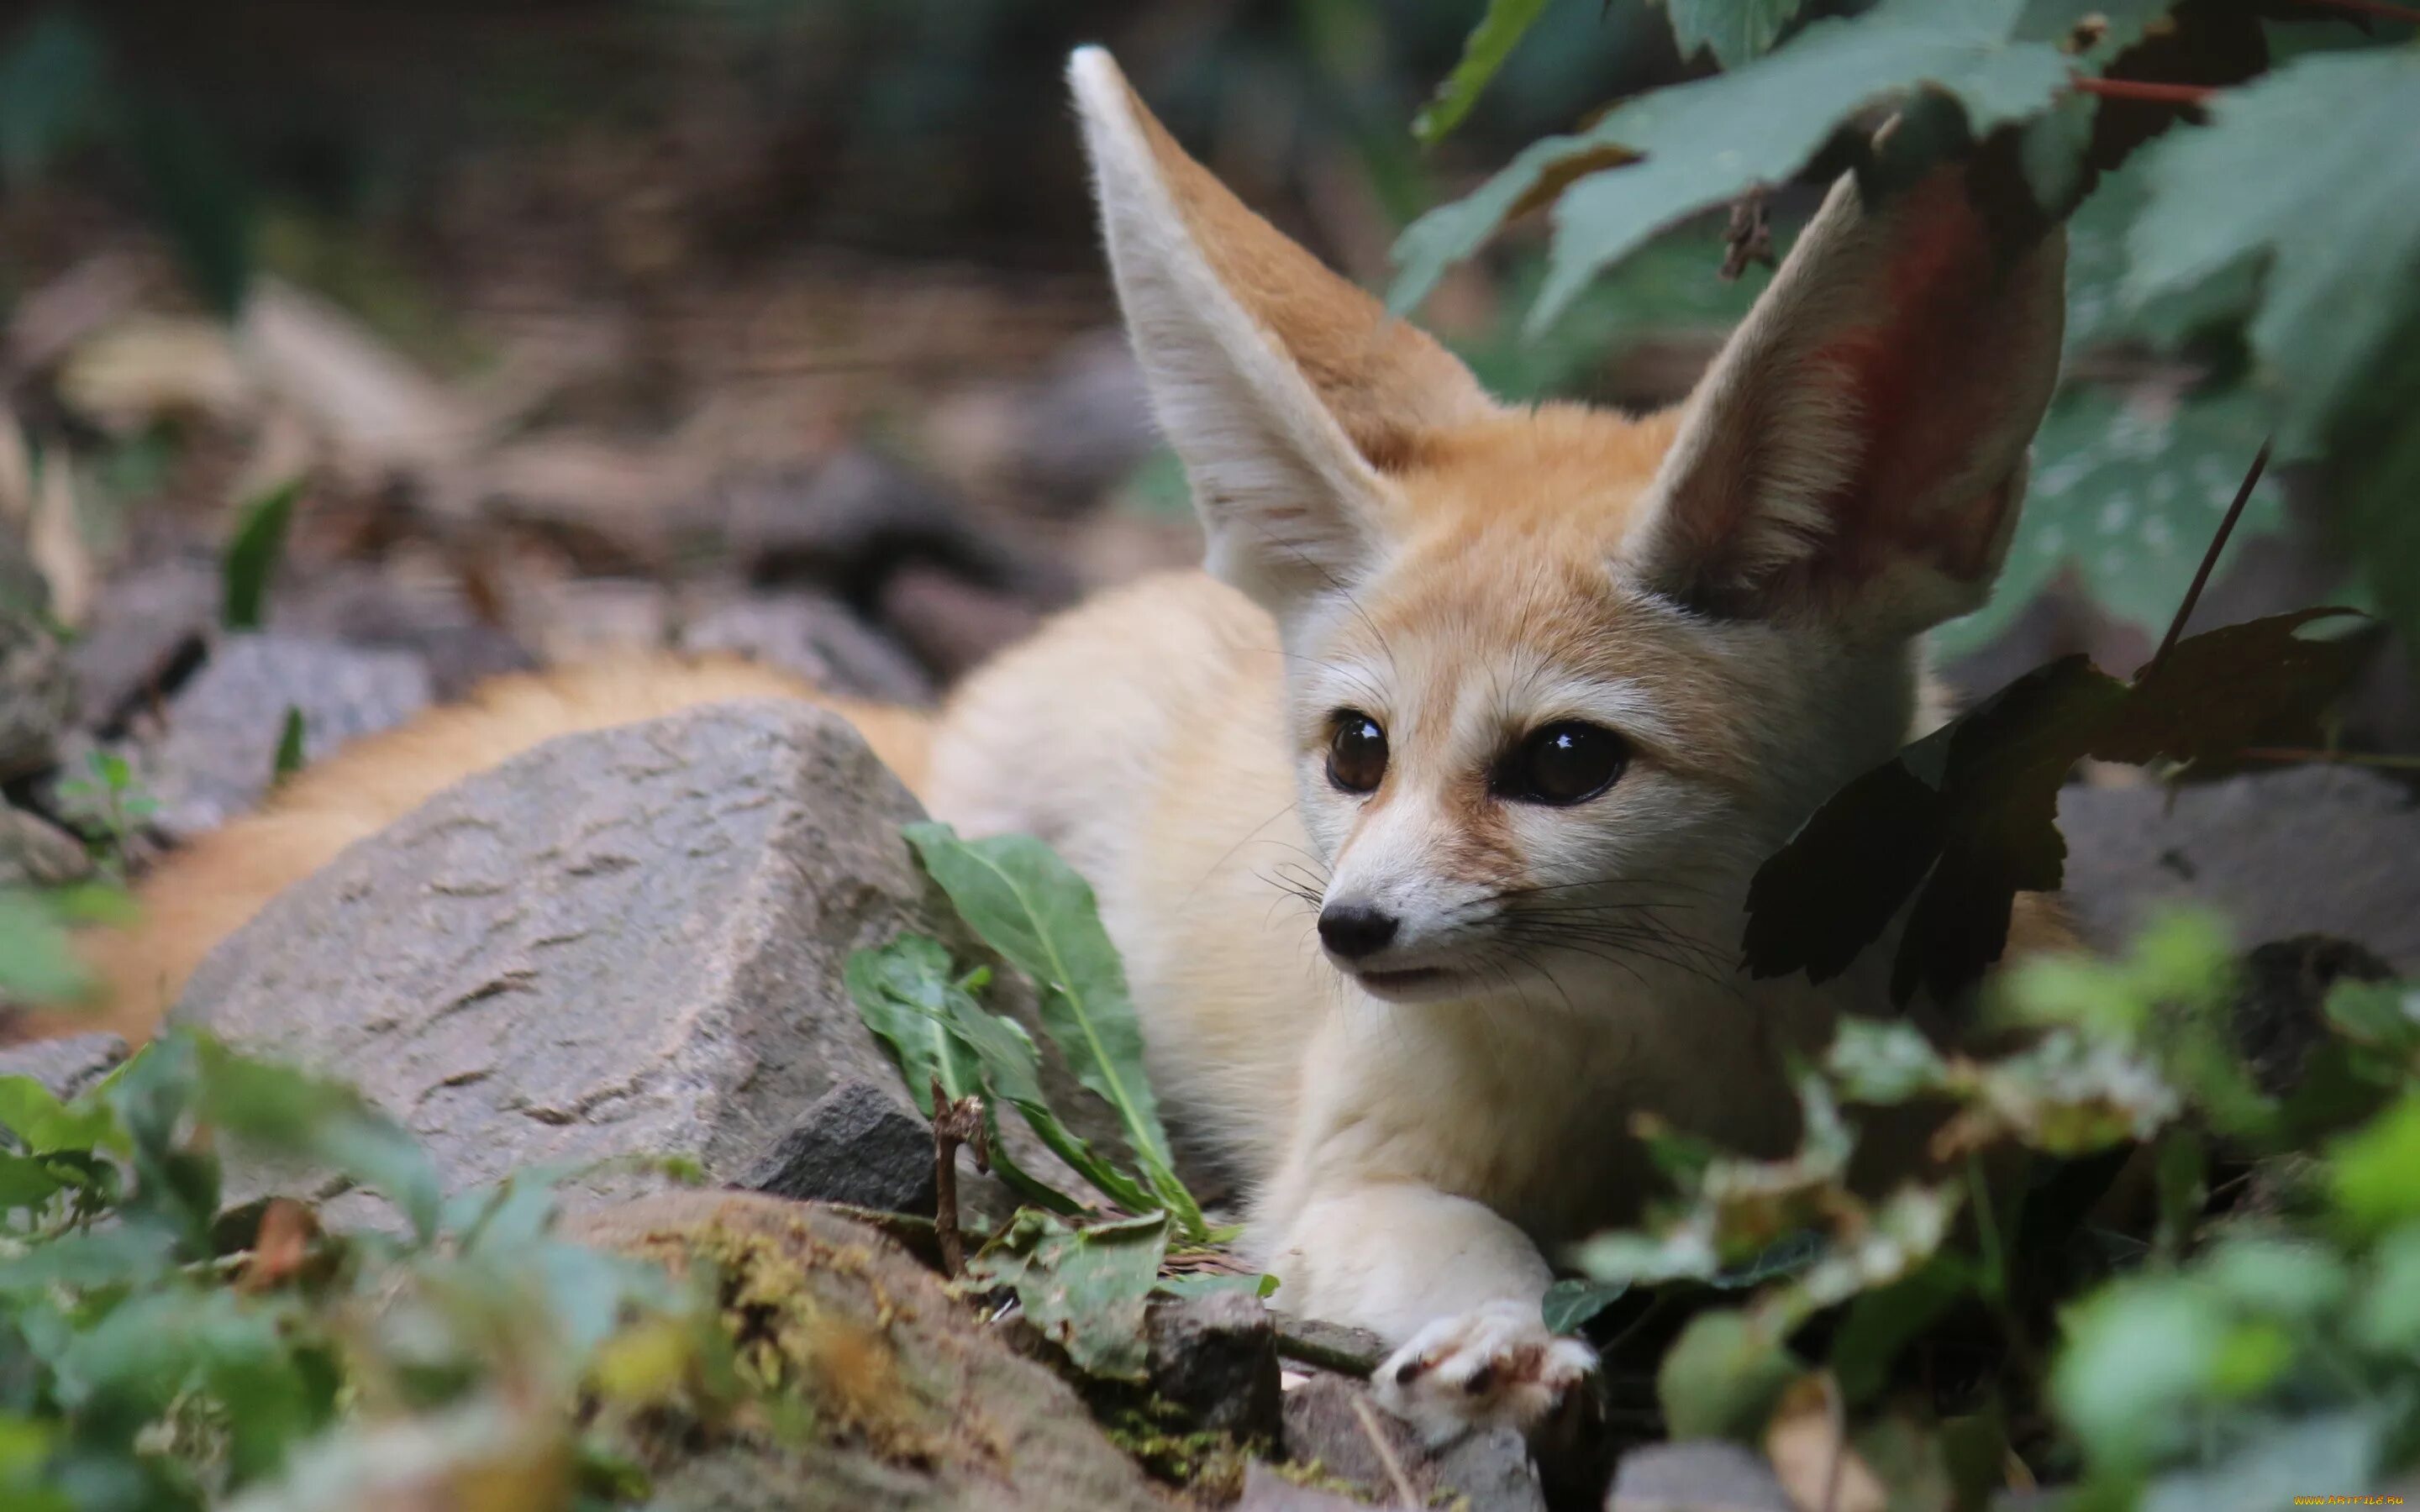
(1288, 392)
(1857, 454)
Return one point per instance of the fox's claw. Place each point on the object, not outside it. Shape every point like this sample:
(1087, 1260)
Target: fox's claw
(1492, 1366)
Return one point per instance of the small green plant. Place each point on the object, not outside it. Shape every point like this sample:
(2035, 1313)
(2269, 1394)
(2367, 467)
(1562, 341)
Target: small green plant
(160, 1349)
(108, 805)
(252, 553)
(2252, 1347)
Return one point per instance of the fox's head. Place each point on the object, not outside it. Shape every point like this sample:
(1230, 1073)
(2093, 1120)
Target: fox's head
(1559, 679)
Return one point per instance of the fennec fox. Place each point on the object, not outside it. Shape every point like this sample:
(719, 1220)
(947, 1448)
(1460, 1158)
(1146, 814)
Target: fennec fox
(1424, 816)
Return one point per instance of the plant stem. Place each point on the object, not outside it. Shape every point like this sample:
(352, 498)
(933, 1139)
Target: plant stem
(2163, 94)
(2210, 559)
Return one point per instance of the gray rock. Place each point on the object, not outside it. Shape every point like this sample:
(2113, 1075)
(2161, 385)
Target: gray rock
(2305, 850)
(815, 638)
(623, 942)
(224, 726)
(67, 1066)
(1331, 1424)
(858, 1144)
(144, 628)
(1216, 1357)
(34, 853)
(1328, 1346)
(1702, 1476)
(37, 696)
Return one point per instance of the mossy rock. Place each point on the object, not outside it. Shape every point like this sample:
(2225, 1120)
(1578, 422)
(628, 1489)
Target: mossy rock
(908, 1403)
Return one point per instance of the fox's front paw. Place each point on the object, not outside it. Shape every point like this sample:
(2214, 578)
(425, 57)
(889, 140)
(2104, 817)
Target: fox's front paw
(1492, 1366)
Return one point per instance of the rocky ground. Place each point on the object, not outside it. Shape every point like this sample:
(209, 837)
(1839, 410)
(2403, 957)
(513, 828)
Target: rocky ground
(877, 521)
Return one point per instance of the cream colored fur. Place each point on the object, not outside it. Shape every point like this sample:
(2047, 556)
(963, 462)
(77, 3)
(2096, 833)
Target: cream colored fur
(1732, 588)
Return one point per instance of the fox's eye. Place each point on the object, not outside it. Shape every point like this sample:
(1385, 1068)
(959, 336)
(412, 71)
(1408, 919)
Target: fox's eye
(1563, 764)
(1356, 753)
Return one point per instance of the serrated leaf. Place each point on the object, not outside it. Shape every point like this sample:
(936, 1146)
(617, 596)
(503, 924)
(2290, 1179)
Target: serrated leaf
(1085, 1289)
(1034, 909)
(1735, 31)
(252, 553)
(1490, 43)
(1966, 818)
(2313, 169)
(1694, 145)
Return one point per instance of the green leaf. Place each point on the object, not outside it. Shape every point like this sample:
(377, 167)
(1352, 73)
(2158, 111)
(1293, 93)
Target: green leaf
(2313, 169)
(1034, 909)
(2374, 1173)
(2386, 1313)
(2278, 1463)
(1884, 1061)
(1568, 1306)
(1085, 1289)
(289, 746)
(27, 1182)
(2134, 1352)
(1880, 1323)
(1735, 31)
(42, 1123)
(1693, 146)
(1483, 53)
(198, 195)
(38, 962)
(1722, 1375)
(937, 1032)
(50, 83)
(1208, 1283)
(2127, 491)
(252, 553)
(283, 1112)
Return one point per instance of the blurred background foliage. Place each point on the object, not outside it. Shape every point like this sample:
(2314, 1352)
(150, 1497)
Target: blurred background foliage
(459, 175)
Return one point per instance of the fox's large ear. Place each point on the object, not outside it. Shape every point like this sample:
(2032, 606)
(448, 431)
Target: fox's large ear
(1857, 453)
(1289, 394)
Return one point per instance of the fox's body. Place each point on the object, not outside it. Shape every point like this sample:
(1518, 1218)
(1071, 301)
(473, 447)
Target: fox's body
(1424, 818)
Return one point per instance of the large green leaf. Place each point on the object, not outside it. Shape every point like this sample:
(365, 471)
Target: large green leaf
(1483, 53)
(1735, 31)
(1032, 908)
(1702, 143)
(2313, 169)
(2127, 493)
(1085, 1289)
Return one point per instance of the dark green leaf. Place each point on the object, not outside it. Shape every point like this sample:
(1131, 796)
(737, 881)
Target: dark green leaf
(1483, 53)
(199, 197)
(1693, 146)
(1722, 1375)
(289, 746)
(51, 80)
(1569, 1304)
(2314, 168)
(253, 554)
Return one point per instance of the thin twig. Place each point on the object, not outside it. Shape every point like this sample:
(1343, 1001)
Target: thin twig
(1748, 239)
(2209, 558)
(2145, 89)
(954, 1124)
(1395, 1476)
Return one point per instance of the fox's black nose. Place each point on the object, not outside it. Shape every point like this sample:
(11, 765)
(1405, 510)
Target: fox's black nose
(1356, 930)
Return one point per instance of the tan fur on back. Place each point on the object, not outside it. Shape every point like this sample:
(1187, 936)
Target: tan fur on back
(208, 890)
